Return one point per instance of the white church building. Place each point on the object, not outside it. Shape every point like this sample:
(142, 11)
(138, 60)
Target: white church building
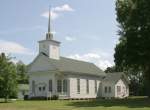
(51, 74)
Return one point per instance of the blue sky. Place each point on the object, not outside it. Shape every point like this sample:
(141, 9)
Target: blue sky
(87, 29)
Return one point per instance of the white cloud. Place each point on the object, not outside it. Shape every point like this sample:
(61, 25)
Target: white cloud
(67, 38)
(13, 47)
(56, 11)
(103, 64)
(63, 8)
(54, 15)
(97, 59)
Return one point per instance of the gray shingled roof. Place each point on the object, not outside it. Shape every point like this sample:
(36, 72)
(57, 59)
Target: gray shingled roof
(68, 65)
(114, 77)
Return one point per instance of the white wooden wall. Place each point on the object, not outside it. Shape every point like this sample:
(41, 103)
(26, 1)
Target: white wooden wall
(83, 92)
(124, 93)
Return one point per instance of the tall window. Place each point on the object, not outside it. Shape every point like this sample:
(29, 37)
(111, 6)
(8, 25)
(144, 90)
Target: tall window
(40, 88)
(33, 86)
(78, 86)
(87, 86)
(62, 86)
(50, 86)
(109, 89)
(59, 86)
(95, 86)
(105, 89)
(65, 86)
(43, 88)
(118, 89)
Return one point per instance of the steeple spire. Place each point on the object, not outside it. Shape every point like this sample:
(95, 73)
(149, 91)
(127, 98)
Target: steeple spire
(49, 20)
(49, 35)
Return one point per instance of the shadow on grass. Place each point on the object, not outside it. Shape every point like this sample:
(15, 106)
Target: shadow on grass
(5, 102)
(1, 101)
(130, 103)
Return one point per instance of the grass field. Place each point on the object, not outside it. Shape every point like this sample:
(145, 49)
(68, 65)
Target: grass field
(137, 103)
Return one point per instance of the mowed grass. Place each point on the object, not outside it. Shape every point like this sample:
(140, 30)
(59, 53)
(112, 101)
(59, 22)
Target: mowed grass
(137, 103)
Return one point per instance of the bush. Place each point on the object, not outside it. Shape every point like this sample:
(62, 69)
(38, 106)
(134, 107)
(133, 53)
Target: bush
(26, 97)
(54, 97)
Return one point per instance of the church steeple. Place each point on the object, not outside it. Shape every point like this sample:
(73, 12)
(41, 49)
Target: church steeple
(49, 35)
(49, 21)
(49, 46)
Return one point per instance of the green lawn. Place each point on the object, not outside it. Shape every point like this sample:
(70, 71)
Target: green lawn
(126, 104)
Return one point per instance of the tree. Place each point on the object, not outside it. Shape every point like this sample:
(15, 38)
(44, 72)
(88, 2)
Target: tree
(8, 82)
(133, 50)
(22, 73)
(111, 69)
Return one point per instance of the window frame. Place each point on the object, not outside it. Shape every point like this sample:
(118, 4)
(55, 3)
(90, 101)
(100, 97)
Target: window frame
(95, 86)
(105, 89)
(78, 86)
(33, 86)
(50, 85)
(65, 85)
(87, 86)
(40, 89)
(44, 88)
(118, 89)
(109, 89)
(59, 86)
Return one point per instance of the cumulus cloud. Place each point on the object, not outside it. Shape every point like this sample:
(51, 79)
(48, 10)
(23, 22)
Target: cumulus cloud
(68, 38)
(56, 11)
(97, 59)
(63, 8)
(13, 47)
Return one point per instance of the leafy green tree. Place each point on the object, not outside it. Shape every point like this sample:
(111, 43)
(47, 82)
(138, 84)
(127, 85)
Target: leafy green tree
(136, 82)
(8, 81)
(111, 69)
(133, 51)
(22, 73)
